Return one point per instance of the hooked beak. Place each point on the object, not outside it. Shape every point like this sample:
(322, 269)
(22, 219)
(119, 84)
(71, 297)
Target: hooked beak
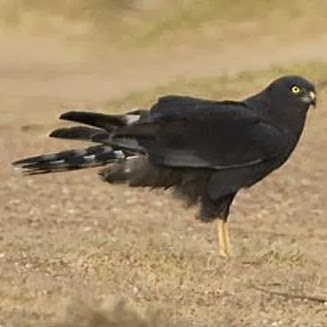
(310, 98)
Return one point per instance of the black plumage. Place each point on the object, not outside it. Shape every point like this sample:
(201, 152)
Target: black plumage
(206, 150)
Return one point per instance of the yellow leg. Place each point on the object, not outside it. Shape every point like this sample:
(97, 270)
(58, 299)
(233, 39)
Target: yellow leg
(223, 239)
(228, 240)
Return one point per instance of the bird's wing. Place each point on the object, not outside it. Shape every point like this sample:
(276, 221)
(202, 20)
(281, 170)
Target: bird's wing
(201, 133)
(176, 105)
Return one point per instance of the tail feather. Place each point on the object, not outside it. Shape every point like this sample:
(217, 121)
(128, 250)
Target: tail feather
(70, 160)
(103, 127)
(108, 122)
(82, 133)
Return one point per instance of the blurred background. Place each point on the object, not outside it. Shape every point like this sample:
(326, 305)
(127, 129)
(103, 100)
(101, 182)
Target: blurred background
(62, 231)
(87, 52)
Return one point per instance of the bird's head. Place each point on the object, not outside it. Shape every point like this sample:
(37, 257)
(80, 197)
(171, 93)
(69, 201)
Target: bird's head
(294, 90)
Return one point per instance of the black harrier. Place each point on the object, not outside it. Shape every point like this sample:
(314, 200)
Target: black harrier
(205, 150)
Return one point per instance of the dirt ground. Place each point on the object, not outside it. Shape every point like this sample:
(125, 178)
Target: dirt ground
(70, 236)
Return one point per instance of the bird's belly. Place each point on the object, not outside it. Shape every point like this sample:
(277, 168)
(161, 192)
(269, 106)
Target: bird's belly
(231, 180)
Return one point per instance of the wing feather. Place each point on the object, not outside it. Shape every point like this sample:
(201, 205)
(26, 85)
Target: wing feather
(188, 132)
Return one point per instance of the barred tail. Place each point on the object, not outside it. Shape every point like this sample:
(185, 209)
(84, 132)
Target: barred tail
(70, 160)
(99, 130)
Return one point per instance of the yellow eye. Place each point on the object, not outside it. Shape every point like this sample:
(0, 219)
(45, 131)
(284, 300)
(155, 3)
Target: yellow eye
(295, 89)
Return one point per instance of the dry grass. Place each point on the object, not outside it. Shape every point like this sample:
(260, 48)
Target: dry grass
(80, 314)
(144, 23)
(69, 236)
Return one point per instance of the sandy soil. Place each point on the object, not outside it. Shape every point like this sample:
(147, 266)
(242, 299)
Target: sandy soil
(69, 235)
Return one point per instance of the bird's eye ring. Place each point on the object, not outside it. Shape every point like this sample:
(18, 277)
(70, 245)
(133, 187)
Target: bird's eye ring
(295, 89)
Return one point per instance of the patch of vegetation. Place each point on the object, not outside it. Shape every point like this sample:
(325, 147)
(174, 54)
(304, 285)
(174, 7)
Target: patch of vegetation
(75, 9)
(68, 17)
(193, 15)
(143, 25)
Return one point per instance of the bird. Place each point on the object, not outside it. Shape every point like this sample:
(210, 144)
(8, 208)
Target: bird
(205, 150)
